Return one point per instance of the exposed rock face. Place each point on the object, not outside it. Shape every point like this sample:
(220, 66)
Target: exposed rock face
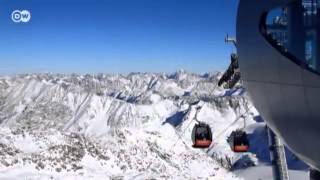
(116, 126)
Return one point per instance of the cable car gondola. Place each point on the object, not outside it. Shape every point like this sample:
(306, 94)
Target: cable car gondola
(201, 135)
(238, 141)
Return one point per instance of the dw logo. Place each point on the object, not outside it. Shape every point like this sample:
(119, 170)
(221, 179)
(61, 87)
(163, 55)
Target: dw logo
(21, 16)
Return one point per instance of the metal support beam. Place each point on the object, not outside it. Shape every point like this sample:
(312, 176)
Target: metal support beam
(278, 157)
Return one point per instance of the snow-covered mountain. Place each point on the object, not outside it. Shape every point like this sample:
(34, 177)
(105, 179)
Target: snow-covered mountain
(135, 126)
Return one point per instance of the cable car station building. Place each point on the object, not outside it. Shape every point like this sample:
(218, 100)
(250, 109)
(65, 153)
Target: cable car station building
(278, 43)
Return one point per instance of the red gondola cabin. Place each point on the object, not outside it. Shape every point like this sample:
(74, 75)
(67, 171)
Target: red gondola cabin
(201, 136)
(238, 141)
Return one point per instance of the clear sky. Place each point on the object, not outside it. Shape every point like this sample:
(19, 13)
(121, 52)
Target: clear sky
(116, 36)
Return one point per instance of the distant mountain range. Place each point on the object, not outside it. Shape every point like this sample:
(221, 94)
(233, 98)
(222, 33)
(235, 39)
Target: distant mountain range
(133, 126)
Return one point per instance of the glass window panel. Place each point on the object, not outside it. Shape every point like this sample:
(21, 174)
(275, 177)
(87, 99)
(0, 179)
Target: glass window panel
(295, 31)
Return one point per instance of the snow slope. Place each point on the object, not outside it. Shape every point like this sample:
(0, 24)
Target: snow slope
(135, 126)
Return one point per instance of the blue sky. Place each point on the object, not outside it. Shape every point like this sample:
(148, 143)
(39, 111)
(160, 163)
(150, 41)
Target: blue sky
(116, 36)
